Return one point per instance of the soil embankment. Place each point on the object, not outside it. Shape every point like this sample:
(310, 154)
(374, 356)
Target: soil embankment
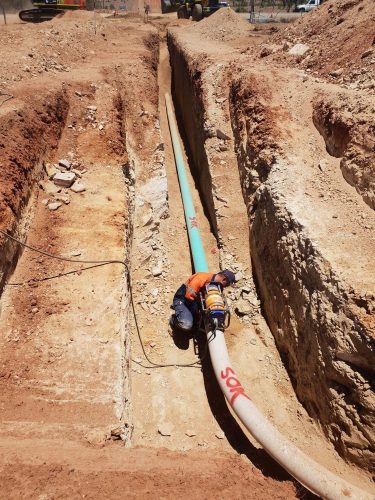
(316, 291)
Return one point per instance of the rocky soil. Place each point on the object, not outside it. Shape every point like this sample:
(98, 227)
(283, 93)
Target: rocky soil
(316, 288)
(92, 384)
(347, 126)
(84, 178)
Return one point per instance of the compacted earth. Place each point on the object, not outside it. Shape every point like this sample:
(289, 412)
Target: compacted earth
(97, 399)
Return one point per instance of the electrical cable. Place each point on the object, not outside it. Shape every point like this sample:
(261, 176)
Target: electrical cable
(7, 99)
(60, 275)
(99, 263)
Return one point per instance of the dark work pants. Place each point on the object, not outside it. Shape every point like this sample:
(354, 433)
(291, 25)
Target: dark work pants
(185, 310)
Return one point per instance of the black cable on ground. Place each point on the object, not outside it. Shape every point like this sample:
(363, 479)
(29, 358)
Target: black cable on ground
(7, 99)
(99, 263)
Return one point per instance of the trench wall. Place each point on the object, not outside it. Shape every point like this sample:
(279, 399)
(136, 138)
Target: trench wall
(27, 134)
(147, 194)
(323, 328)
(189, 108)
(352, 141)
(321, 325)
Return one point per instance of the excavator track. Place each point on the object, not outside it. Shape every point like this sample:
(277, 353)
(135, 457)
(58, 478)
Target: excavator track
(39, 15)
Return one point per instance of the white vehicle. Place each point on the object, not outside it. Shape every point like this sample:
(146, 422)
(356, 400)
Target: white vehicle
(309, 5)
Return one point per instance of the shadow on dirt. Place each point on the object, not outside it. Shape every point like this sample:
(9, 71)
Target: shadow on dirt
(233, 432)
(181, 339)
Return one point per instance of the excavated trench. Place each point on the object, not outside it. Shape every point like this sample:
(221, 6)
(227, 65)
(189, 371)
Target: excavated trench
(303, 301)
(320, 324)
(26, 137)
(189, 113)
(95, 123)
(32, 352)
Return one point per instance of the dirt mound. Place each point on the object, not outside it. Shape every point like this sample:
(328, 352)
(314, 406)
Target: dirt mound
(341, 36)
(74, 15)
(224, 25)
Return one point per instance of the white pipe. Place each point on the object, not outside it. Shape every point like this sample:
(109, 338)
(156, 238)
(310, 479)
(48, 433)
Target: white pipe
(313, 476)
(309, 473)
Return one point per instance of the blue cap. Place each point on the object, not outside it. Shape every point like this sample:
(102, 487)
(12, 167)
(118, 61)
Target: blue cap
(230, 276)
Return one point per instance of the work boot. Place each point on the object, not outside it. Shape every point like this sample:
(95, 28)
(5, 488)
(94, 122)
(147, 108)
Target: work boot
(172, 325)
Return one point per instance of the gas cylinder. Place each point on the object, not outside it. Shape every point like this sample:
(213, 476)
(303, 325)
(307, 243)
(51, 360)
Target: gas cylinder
(214, 298)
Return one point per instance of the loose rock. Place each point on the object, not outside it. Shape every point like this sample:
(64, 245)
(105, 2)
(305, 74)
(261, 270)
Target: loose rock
(243, 307)
(117, 433)
(157, 270)
(51, 171)
(64, 179)
(54, 205)
(51, 189)
(190, 433)
(64, 198)
(221, 135)
(78, 187)
(322, 165)
(299, 49)
(337, 72)
(64, 164)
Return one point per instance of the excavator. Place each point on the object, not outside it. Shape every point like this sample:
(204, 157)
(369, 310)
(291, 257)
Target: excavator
(45, 10)
(198, 9)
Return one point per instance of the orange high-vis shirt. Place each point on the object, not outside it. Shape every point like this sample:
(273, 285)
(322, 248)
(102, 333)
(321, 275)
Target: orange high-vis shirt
(195, 283)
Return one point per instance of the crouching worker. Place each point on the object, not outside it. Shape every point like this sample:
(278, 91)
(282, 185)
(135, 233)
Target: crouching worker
(186, 299)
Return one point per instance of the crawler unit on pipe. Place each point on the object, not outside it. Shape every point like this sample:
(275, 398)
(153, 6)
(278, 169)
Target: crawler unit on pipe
(309, 473)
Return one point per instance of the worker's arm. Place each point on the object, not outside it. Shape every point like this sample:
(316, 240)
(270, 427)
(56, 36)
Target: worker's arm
(195, 283)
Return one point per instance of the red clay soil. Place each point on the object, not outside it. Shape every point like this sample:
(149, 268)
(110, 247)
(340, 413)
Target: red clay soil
(24, 138)
(73, 472)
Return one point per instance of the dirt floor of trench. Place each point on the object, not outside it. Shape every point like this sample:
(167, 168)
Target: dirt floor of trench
(83, 412)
